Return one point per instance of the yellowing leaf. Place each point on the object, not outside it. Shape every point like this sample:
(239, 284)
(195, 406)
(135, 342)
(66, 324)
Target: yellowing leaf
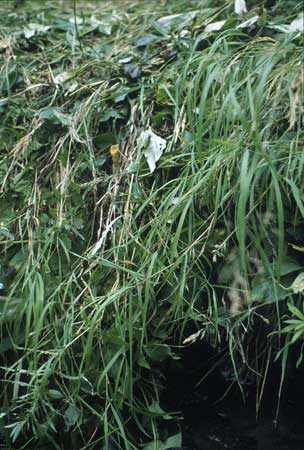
(115, 153)
(114, 150)
(298, 248)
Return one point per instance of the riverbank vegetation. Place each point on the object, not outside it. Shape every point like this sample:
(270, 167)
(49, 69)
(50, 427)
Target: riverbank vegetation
(151, 196)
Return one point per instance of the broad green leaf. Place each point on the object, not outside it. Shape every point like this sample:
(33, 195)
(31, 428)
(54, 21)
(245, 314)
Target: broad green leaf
(265, 292)
(158, 352)
(71, 416)
(173, 442)
(55, 394)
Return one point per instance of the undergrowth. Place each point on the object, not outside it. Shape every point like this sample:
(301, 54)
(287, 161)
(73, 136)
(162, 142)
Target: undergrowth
(103, 264)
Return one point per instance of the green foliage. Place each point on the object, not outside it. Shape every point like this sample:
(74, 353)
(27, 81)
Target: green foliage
(295, 325)
(101, 270)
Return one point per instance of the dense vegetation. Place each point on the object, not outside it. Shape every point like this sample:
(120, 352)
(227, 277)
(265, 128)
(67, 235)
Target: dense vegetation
(107, 266)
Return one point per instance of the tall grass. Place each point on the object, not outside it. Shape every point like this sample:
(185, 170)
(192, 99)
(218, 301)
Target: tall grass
(104, 268)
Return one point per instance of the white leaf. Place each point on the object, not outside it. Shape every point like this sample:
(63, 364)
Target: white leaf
(248, 22)
(297, 24)
(298, 284)
(152, 146)
(126, 60)
(185, 18)
(29, 33)
(193, 337)
(5, 43)
(61, 78)
(215, 26)
(34, 28)
(94, 22)
(167, 21)
(175, 200)
(77, 20)
(240, 7)
(184, 33)
(108, 229)
(73, 86)
(283, 28)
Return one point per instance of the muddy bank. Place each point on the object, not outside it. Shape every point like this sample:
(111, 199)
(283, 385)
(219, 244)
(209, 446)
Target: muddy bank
(216, 415)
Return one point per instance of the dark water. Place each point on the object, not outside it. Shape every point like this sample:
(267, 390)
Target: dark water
(232, 425)
(211, 423)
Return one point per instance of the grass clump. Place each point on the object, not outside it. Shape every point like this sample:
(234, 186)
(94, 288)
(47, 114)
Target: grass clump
(104, 264)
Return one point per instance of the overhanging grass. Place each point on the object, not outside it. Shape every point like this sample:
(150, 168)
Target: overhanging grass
(104, 270)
